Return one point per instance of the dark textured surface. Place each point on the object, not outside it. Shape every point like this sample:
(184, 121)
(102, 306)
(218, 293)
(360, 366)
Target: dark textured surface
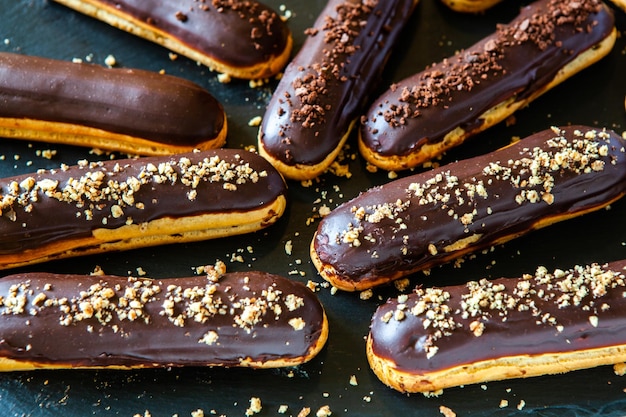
(594, 97)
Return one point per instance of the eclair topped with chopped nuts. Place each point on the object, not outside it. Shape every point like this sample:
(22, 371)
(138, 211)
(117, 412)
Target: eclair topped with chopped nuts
(113, 205)
(484, 330)
(219, 319)
(424, 220)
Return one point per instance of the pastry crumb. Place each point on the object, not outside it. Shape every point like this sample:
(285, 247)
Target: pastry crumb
(255, 121)
(446, 411)
(324, 411)
(255, 406)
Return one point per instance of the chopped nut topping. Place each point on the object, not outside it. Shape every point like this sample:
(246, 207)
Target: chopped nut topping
(528, 179)
(99, 189)
(485, 303)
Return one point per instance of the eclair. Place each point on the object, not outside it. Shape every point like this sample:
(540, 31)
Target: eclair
(242, 38)
(128, 110)
(325, 87)
(96, 207)
(430, 112)
(424, 220)
(242, 319)
(538, 324)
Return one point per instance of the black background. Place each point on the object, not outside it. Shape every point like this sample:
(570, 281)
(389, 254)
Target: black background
(594, 97)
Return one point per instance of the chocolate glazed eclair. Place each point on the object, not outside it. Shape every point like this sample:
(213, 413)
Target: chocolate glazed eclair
(244, 319)
(426, 114)
(128, 110)
(241, 38)
(427, 219)
(541, 323)
(325, 87)
(96, 207)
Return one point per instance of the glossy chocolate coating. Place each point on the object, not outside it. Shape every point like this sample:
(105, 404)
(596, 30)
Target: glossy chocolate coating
(517, 61)
(550, 326)
(248, 324)
(482, 201)
(113, 193)
(137, 103)
(305, 121)
(238, 33)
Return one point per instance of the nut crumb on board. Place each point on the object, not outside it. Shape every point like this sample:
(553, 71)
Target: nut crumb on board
(447, 412)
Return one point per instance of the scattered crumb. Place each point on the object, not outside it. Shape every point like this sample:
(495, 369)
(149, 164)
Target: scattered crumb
(197, 413)
(110, 61)
(255, 406)
(304, 412)
(46, 153)
(521, 405)
(283, 409)
(257, 83)
(324, 411)
(353, 381)
(366, 295)
(288, 247)
(619, 369)
(97, 271)
(504, 403)
(255, 121)
(447, 412)
(223, 78)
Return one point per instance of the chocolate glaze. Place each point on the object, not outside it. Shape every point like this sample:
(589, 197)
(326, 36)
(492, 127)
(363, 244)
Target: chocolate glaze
(233, 181)
(486, 200)
(239, 33)
(518, 60)
(307, 118)
(45, 334)
(138, 103)
(551, 326)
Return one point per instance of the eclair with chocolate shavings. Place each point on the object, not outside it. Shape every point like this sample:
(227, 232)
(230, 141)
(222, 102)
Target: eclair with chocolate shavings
(422, 116)
(325, 87)
(241, 38)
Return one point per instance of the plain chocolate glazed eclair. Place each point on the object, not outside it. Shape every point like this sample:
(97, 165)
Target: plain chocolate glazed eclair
(434, 110)
(128, 110)
(546, 322)
(96, 207)
(424, 220)
(243, 319)
(241, 38)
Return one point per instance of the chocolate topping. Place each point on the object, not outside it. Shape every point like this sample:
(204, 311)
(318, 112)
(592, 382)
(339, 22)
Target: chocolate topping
(326, 85)
(546, 312)
(427, 219)
(111, 194)
(95, 321)
(518, 60)
(138, 103)
(238, 33)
